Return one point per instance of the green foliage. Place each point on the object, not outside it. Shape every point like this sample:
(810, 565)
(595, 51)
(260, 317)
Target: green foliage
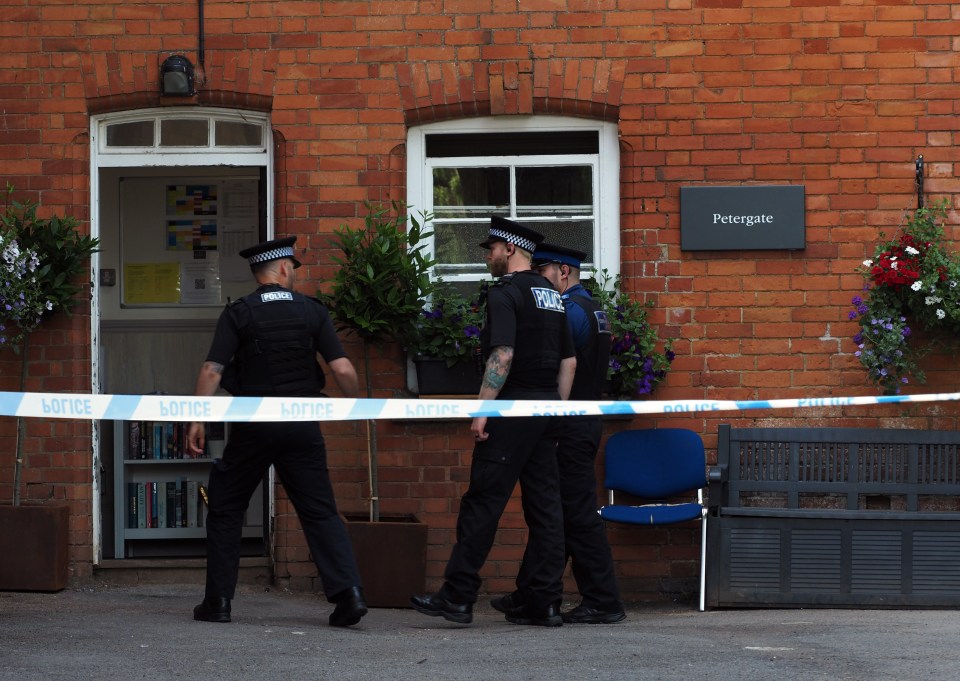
(911, 280)
(636, 365)
(450, 328)
(383, 280)
(43, 260)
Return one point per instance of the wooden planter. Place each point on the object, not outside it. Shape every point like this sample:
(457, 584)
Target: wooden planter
(34, 547)
(434, 377)
(392, 556)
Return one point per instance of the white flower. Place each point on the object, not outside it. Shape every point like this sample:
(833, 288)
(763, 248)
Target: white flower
(893, 263)
(917, 285)
(911, 250)
(868, 263)
(941, 314)
(932, 300)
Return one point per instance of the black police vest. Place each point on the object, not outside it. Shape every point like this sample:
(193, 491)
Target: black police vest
(539, 340)
(593, 358)
(277, 354)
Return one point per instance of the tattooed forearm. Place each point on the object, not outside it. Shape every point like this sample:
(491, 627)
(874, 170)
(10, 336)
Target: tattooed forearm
(215, 367)
(497, 369)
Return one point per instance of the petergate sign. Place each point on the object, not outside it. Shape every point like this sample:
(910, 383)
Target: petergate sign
(742, 218)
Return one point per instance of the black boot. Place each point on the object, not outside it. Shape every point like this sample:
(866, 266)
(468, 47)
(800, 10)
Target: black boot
(213, 609)
(350, 607)
(540, 617)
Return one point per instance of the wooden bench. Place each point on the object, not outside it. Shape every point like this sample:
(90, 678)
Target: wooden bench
(834, 517)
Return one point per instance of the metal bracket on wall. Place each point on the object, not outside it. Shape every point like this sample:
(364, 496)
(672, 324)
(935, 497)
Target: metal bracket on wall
(919, 181)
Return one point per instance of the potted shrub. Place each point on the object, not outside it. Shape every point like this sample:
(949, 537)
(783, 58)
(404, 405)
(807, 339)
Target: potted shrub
(639, 362)
(40, 263)
(379, 293)
(446, 342)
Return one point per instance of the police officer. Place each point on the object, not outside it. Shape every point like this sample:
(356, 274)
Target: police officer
(584, 533)
(268, 343)
(529, 355)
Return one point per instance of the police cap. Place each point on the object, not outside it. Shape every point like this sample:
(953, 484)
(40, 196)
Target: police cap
(551, 253)
(512, 232)
(275, 249)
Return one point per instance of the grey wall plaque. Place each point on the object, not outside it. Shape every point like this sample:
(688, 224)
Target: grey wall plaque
(742, 218)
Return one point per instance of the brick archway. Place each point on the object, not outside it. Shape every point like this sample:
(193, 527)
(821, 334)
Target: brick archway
(591, 88)
(240, 80)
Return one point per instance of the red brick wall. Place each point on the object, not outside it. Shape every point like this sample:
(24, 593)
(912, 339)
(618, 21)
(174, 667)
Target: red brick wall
(838, 98)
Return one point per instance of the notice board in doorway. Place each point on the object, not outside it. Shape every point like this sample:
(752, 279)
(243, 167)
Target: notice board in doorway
(180, 239)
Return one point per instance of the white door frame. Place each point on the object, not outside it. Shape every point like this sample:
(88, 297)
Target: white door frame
(102, 155)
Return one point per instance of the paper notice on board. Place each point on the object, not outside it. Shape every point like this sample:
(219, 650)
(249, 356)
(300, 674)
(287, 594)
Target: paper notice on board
(147, 283)
(239, 227)
(200, 283)
(233, 239)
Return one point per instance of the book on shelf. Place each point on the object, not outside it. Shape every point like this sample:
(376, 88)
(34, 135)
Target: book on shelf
(171, 501)
(192, 500)
(178, 503)
(132, 504)
(141, 505)
(161, 504)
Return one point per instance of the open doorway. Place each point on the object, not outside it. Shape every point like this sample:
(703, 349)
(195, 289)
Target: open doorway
(176, 195)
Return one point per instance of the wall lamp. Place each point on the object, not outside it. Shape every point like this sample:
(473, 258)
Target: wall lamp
(176, 77)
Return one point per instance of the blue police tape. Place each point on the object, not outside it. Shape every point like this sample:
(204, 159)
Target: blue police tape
(278, 409)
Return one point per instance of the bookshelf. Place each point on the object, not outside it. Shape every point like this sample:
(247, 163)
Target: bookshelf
(159, 488)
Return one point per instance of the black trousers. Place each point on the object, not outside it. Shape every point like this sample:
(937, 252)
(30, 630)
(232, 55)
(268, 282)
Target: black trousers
(518, 449)
(585, 536)
(298, 453)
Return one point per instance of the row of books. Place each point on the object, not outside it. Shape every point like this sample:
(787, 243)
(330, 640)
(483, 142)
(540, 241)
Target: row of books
(158, 440)
(166, 504)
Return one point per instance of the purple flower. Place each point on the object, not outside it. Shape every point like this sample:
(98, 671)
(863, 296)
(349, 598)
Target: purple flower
(857, 300)
(906, 331)
(852, 314)
(670, 355)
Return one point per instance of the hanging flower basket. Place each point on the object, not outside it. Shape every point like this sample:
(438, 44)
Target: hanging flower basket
(911, 283)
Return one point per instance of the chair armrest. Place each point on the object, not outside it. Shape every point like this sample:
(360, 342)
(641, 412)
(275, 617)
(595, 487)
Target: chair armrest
(716, 486)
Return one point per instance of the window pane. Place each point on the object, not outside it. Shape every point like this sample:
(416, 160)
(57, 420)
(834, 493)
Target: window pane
(237, 134)
(138, 134)
(562, 142)
(576, 234)
(470, 192)
(184, 132)
(457, 243)
(555, 191)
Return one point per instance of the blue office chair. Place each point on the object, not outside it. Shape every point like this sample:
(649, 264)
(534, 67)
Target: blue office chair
(658, 464)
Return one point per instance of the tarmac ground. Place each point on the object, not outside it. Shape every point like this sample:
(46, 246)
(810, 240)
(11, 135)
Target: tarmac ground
(147, 632)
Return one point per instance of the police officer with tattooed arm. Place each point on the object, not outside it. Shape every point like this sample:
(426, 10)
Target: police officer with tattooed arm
(584, 533)
(266, 344)
(529, 356)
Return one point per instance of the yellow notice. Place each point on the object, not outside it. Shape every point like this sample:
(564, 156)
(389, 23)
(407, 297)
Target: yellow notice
(151, 282)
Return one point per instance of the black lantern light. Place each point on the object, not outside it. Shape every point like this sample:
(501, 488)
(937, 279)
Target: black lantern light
(176, 77)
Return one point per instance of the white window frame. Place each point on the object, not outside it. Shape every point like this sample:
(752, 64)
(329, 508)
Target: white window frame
(155, 154)
(606, 176)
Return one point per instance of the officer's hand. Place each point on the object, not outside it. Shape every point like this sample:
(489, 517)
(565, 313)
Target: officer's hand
(478, 428)
(196, 438)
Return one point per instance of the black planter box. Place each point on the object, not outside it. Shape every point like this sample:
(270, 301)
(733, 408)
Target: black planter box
(434, 377)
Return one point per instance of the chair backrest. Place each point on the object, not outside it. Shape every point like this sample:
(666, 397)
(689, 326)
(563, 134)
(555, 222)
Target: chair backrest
(655, 463)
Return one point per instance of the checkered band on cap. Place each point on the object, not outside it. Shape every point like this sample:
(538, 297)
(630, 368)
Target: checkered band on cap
(272, 254)
(508, 236)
